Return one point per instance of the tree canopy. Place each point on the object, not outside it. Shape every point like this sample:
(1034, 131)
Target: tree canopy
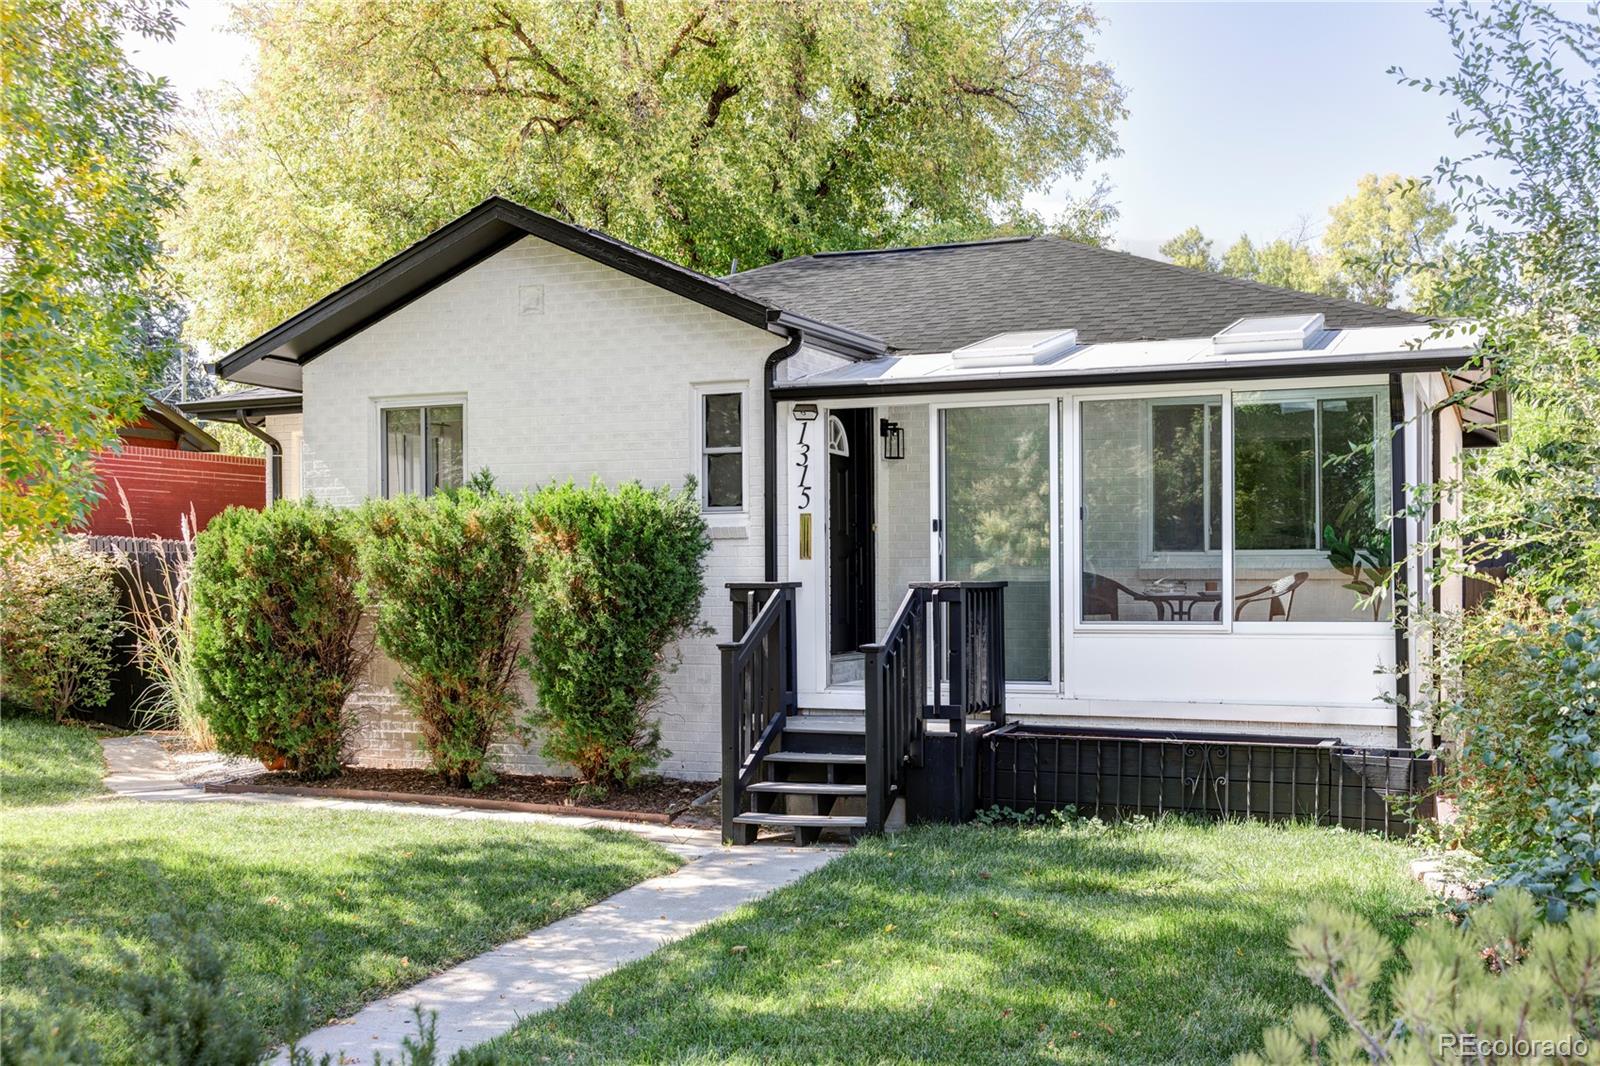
(1384, 244)
(79, 238)
(706, 132)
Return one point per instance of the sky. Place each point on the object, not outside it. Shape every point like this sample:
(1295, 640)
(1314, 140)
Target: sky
(1244, 117)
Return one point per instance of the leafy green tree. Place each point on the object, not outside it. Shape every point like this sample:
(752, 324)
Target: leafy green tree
(1191, 249)
(1241, 259)
(704, 132)
(1520, 714)
(1387, 232)
(83, 193)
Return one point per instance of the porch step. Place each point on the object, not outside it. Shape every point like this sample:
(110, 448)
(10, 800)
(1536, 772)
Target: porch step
(806, 788)
(803, 821)
(841, 758)
(855, 724)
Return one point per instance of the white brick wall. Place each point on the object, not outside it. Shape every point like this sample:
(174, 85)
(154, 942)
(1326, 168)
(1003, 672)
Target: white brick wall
(289, 431)
(599, 381)
(902, 513)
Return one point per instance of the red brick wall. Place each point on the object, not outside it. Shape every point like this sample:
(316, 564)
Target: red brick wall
(162, 485)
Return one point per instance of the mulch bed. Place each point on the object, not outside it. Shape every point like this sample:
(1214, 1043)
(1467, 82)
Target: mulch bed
(663, 799)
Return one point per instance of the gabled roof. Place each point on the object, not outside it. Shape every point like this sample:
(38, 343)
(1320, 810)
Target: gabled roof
(940, 298)
(188, 435)
(274, 358)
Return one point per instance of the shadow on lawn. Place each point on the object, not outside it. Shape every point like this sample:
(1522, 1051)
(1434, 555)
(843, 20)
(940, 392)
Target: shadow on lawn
(360, 924)
(1050, 945)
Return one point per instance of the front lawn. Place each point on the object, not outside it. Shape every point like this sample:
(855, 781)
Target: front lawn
(42, 762)
(1079, 945)
(370, 902)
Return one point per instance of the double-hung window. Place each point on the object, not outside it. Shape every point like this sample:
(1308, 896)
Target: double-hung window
(722, 451)
(422, 449)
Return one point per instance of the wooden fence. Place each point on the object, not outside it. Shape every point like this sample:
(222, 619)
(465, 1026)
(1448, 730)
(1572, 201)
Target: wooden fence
(142, 559)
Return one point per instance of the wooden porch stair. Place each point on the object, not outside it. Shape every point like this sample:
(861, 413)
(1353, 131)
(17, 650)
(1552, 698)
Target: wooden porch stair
(815, 778)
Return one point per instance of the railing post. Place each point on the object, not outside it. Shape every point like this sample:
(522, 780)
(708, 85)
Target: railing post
(955, 601)
(791, 671)
(877, 767)
(732, 748)
(997, 652)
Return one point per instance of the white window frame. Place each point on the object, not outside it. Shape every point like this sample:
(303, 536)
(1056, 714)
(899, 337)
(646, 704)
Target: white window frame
(379, 482)
(700, 391)
(1380, 426)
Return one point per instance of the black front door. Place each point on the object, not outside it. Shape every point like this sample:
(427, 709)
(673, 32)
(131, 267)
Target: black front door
(850, 548)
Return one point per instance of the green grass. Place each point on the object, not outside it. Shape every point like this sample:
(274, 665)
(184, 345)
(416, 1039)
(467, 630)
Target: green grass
(370, 902)
(1075, 945)
(42, 762)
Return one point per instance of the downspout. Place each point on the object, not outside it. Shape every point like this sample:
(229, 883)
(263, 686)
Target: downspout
(275, 453)
(769, 453)
(1400, 552)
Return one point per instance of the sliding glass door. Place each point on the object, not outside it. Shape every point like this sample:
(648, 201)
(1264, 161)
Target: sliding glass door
(997, 520)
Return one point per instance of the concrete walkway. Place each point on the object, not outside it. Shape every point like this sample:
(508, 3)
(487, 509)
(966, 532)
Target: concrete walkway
(487, 995)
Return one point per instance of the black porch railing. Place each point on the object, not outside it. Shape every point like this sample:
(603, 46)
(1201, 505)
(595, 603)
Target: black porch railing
(1114, 773)
(962, 625)
(758, 690)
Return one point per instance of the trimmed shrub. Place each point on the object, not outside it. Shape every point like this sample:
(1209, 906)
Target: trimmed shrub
(614, 577)
(277, 640)
(59, 616)
(447, 573)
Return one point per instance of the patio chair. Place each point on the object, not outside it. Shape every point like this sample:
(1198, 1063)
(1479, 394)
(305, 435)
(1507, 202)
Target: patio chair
(1273, 595)
(1100, 597)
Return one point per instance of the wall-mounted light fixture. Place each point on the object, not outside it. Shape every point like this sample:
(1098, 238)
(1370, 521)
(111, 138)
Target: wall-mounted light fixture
(894, 439)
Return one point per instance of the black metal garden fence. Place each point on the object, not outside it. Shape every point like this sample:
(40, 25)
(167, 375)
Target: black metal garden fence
(1114, 773)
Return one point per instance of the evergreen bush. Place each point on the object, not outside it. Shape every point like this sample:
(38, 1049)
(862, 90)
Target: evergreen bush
(615, 576)
(59, 617)
(278, 643)
(447, 574)
(1500, 987)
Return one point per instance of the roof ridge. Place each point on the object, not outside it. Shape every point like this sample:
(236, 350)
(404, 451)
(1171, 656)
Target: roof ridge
(904, 249)
(1215, 275)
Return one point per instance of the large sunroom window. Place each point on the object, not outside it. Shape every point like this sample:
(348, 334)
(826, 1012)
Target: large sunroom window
(1309, 529)
(1152, 510)
(1311, 536)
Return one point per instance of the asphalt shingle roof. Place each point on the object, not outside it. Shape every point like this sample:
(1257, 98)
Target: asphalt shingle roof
(939, 298)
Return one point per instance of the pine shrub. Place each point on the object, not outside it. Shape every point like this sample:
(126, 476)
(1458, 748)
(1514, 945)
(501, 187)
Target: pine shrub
(278, 643)
(615, 576)
(447, 575)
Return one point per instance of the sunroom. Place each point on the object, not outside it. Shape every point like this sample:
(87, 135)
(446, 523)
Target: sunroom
(1194, 534)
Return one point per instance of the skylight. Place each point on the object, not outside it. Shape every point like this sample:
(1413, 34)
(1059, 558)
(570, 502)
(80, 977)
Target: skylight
(1012, 349)
(1277, 333)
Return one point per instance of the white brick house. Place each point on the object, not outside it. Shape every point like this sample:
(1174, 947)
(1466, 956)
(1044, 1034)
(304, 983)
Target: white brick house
(1138, 450)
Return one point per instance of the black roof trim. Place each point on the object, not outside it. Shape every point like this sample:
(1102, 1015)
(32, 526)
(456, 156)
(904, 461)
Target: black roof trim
(259, 401)
(1288, 367)
(457, 246)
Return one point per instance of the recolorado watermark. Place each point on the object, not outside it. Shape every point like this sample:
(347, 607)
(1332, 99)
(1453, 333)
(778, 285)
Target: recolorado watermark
(1471, 1045)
